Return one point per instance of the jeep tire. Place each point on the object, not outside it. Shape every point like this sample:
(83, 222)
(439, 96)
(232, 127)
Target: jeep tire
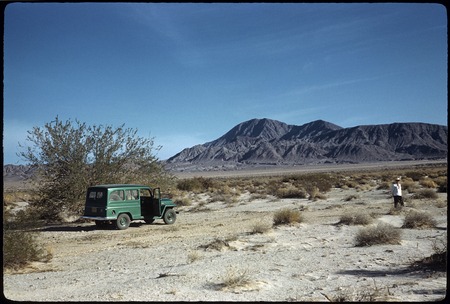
(123, 221)
(169, 216)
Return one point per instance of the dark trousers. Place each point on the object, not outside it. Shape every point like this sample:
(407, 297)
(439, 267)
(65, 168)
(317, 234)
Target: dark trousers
(398, 200)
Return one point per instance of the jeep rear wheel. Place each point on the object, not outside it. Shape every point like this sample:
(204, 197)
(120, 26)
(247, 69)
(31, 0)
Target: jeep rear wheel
(123, 221)
(169, 217)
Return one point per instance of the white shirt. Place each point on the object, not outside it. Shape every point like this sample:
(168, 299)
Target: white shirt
(396, 189)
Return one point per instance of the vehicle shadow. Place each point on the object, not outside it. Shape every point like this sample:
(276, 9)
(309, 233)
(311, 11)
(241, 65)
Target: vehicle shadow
(70, 228)
(91, 227)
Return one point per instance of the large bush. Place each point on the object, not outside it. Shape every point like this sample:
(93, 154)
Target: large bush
(70, 156)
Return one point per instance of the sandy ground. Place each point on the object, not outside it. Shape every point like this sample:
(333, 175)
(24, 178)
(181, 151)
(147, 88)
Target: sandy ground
(196, 258)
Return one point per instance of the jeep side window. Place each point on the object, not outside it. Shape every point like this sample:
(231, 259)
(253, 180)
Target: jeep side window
(131, 194)
(145, 192)
(116, 195)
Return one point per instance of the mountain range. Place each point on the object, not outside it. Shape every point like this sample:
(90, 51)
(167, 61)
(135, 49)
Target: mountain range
(271, 142)
(267, 142)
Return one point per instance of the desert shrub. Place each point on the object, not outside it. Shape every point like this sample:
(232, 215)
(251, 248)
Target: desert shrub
(351, 197)
(380, 234)
(440, 203)
(219, 244)
(365, 295)
(409, 185)
(442, 183)
(195, 184)
(418, 219)
(314, 193)
(358, 218)
(226, 198)
(415, 175)
(235, 278)
(290, 192)
(426, 193)
(20, 248)
(428, 183)
(384, 186)
(14, 196)
(324, 182)
(183, 201)
(261, 227)
(256, 196)
(287, 216)
(193, 256)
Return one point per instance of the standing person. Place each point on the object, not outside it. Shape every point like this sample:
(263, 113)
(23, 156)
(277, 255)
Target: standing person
(397, 193)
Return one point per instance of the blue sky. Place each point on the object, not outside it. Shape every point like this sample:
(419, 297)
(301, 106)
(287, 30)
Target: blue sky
(185, 74)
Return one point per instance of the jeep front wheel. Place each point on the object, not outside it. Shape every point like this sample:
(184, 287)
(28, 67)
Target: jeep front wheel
(169, 217)
(123, 221)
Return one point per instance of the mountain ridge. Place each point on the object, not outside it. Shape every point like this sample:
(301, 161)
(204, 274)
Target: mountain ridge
(267, 141)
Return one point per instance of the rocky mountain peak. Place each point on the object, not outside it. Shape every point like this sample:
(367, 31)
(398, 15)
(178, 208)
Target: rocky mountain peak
(266, 129)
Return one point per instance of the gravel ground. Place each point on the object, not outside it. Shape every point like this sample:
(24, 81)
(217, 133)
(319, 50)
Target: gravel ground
(208, 249)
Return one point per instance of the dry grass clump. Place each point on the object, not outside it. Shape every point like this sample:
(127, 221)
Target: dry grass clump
(376, 235)
(419, 219)
(415, 175)
(20, 248)
(219, 244)
(440, 203)
(228, 199)
(315, 194)
(441, 181)
(287, 216)
(257, 196)
(323, 181)
(426, 194)
(235, 278)
(428, 183)
(384, 186)
(351, 197)
(14, 196)
(409, 185)
(195, 184)
(359, 218)
(368, 294)
(193, 256)
(289, 191)
(183, 201)
(261, 227)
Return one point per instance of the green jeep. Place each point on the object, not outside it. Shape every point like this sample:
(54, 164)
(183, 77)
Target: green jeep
(122, 204)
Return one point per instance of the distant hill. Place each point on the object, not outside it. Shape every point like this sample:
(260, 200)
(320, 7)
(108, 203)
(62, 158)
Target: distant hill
(267, 142)
(271, 142)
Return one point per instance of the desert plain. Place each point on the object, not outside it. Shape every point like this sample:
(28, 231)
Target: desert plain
(232, 251)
